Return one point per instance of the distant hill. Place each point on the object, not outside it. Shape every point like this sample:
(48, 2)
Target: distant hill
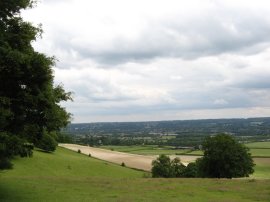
(238, 127)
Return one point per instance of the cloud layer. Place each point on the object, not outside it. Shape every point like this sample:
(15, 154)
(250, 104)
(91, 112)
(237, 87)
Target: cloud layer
(155, 60)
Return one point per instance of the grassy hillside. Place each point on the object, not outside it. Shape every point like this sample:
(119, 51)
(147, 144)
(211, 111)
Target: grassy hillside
(67, 163)
(69, 176)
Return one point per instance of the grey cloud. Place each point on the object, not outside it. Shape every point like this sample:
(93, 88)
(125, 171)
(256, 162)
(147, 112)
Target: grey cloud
(188, 40)
(98, 92)
(215, 31)
(254, 82)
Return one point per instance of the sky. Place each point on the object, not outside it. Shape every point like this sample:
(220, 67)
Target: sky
(149, 60)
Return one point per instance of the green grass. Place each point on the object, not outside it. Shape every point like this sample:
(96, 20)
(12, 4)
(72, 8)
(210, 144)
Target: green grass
(262, 168)
(129, 149)
(67, 163)
(260, 152)
(69, 176)
(258, 145)
(257, 149)
(147, 150)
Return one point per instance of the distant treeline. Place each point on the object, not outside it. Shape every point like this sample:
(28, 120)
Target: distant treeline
(174, 133)
(237, 127)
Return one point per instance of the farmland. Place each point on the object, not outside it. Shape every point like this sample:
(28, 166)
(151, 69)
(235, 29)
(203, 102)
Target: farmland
(262, 168)
(143, 162)
(68, 176)
(147, 149)
(257, 149)
(257, 145)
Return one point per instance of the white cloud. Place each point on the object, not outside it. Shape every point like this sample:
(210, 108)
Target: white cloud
(156, 60)
(220, 102)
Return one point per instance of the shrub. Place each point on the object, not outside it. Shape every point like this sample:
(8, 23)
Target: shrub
(190, 171)
(47, 143)
(5, 163)
(11, 146)
(177, 168)
(164, 167)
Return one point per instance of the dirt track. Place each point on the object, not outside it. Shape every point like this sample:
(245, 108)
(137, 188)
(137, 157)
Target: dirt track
(131, 160)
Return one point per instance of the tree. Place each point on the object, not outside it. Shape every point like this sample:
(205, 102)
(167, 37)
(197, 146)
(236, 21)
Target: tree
(177, 168)
(29, 101)
(11, 146)
(224, 157)
(190, 171)
(47, 143)
(163, 166)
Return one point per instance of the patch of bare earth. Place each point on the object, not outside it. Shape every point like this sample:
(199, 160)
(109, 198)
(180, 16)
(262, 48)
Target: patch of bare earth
(131, 160)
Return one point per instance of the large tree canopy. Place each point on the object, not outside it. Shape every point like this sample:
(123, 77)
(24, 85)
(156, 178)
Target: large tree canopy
(224, 157)
(29, 100)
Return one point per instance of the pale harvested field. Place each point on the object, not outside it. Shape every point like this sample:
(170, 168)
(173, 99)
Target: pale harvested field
(131, 160)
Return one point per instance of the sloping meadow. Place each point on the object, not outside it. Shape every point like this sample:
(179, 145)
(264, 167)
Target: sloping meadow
(69, 176)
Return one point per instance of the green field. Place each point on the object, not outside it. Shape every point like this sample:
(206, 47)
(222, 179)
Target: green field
(147, 149)
(69, 176)
(258, 145)
(262, 168)
(257, 149)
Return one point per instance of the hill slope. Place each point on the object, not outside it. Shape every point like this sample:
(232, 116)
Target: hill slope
(69, 176)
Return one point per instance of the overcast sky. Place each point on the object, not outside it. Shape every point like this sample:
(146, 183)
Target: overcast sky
(137, 60)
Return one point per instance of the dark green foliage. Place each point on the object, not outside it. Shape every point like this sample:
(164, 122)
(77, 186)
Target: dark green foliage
(5, 163)
(224, 157)
(190, 171)
(123, 164)
(190, 132)
(177, 168)
(47, 143)
(164, 167)
(11, 145)
(29, 101)
(79, 151)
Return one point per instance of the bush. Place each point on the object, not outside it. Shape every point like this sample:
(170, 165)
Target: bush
(123, 164)
(47, 143)
(79, 151)
(5, 163)
(164, 167)
(11, 146)
(190, 171)
(177, 168)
